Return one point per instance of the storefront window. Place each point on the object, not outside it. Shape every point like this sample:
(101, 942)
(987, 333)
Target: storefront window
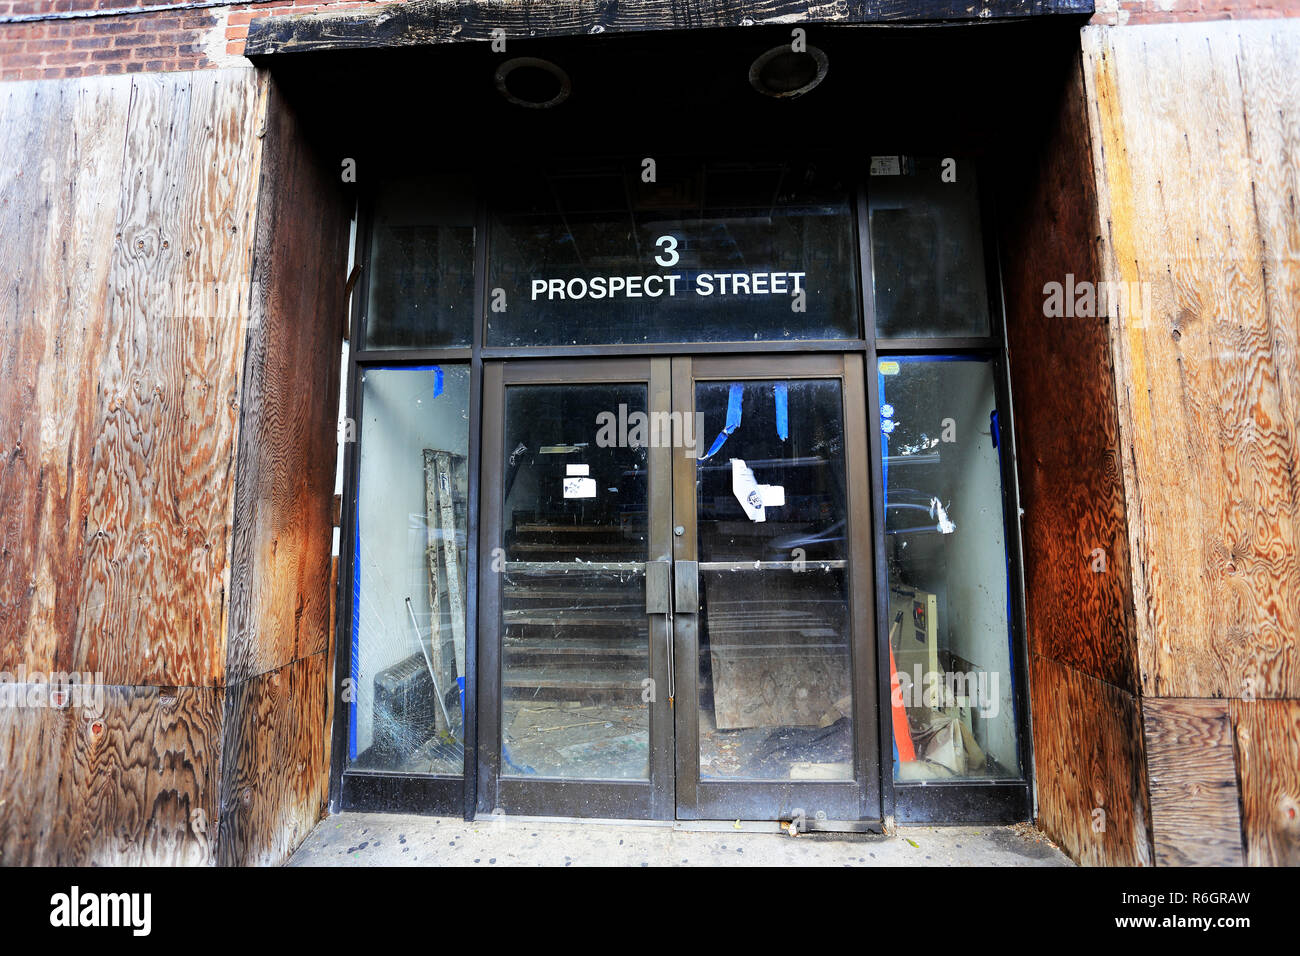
(422, 265)
(408, 617)
(703, 252)
(948, 615)
(926, 249)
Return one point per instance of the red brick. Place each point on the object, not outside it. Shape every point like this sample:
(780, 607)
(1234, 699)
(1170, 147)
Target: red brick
(115, 25)
(235, 48)
(150, 52)
(62, 59)
(90, 43)
(108, 55)
(238, 33)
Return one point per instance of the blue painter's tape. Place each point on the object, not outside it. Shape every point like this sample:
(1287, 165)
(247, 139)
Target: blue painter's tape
(781, 392)
(734, 397)
(354, 670)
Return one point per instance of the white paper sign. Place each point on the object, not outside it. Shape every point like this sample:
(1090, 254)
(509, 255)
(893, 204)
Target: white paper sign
(579, 487)
(577, 469)
(753, 497)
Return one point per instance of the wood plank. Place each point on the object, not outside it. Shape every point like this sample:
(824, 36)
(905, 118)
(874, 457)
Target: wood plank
(1092, 797)
(459, 21)
(1268, 764)
(1192, 776)
(52, 320)
(274, 772)
(1069, 477)
(1194, 129)
(131, 784)
(280, 561)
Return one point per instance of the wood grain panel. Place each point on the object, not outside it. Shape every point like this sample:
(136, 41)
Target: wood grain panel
(131, 783)
(1063, 387)
(56, 209)
(274, 774)
(1088, 756)
(281, 600)
(1268, 764)
(1194, 130)
(1192, 775)
(152, 590)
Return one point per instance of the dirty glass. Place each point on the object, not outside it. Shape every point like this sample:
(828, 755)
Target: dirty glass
(408, 615)
(927, 251)
(949, 633)
(775, 694)
(421, 283)
(575, 636)
(706, 252)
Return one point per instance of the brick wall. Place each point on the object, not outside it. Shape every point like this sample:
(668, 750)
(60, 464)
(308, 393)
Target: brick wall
(132, 36)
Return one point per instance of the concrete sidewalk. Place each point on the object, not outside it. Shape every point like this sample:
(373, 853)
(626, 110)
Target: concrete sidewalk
(383, 839)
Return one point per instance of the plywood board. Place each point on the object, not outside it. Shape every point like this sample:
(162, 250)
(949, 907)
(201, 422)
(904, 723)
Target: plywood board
(1090, 775)
(1194, 137)
(280, 601)
(119, 421)
(1078, 593)
(274, 771)
(1268, 764)
(133, 783)
(1192, 775)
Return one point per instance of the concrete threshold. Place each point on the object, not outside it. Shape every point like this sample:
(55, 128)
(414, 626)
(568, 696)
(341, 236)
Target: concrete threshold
(384, 839)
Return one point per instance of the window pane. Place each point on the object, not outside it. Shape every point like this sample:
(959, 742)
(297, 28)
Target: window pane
(706, 253)
(775, 687)
(575, 636)
(408, 629)
(927, 252)
(422, 266)
(949, 632)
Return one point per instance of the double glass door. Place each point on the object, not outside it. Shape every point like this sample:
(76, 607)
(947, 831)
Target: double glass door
(676, 590)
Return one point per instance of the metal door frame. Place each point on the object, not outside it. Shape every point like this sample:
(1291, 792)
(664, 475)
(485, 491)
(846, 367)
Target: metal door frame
(552, 796)
(858, 801)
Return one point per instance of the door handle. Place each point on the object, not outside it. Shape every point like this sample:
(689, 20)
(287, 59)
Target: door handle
(686, 587)
(657, 597)
(658, 600)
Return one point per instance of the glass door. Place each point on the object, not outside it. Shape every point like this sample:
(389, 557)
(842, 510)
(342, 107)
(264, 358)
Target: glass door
(677, 561)
(775, 663)
(574, 581)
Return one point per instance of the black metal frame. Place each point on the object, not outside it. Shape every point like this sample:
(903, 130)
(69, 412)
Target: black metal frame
(932, 802)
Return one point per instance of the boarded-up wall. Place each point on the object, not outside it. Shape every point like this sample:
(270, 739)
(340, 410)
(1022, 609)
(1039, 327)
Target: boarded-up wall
(127, 219)
(279, 667)
(1196, 140)
(1089, 773)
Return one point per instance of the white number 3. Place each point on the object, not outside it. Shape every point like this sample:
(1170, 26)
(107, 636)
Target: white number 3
(669, 246)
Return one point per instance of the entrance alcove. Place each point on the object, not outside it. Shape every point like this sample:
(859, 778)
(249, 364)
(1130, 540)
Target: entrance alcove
(1004, 102)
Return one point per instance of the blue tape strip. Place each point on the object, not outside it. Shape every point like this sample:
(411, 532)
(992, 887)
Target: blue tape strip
(437, 380)
(733, 419)
(355, 669)
(781, 392)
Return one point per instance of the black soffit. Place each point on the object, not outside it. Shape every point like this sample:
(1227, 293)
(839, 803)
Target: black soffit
(430, 22)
